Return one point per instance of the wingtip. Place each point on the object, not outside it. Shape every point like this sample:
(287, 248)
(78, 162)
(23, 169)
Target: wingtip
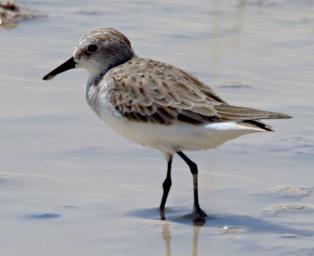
(284, 116)
(276, 115)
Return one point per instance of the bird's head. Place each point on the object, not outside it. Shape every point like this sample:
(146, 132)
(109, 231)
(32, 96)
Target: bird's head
(97, 52)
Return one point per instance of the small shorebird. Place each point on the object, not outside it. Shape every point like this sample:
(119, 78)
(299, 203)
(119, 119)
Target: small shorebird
(156, 104)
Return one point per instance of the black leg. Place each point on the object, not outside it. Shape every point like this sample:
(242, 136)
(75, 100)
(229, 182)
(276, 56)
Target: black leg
(166, 187)
(194, 171)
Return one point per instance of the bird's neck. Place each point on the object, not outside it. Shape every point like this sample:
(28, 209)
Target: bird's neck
(96, 74)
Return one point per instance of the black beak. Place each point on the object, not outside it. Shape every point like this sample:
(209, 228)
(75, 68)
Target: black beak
(69, 64)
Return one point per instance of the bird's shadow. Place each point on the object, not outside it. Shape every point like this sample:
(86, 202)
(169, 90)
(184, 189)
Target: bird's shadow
(245, 222)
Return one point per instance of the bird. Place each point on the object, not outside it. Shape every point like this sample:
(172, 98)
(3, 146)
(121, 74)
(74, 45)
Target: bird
(156, 104)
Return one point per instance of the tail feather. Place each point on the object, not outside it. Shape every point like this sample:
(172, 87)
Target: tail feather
(259, 124)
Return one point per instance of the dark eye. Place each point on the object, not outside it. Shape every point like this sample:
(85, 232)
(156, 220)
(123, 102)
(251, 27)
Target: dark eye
(92, 48)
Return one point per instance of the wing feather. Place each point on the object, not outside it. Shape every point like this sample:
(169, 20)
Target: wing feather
(150, 91)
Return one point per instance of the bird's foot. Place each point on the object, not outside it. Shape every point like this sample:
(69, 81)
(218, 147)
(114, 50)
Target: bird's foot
(199, 213)
(162, 213)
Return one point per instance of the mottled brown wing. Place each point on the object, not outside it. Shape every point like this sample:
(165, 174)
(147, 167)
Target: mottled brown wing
(150, 91)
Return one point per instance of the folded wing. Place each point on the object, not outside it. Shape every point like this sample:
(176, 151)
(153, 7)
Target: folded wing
(150, 91)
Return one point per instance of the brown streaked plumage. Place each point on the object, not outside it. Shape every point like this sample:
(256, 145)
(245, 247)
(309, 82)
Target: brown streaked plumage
(145, 90)
(156, 104)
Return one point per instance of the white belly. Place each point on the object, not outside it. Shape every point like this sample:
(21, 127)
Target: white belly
(177, 137)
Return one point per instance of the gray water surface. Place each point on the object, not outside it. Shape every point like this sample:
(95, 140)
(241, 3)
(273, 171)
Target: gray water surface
(71, 186)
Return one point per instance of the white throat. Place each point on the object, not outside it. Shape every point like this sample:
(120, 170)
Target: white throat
(93, 79)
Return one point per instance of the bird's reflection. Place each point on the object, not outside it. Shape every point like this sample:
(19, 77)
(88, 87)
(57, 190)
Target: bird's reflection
(166, 235)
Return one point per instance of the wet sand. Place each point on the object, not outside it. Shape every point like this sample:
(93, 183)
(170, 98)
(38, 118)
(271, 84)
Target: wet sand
(70, 186)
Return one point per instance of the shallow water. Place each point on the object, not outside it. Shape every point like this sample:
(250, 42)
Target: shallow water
(71, 186)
